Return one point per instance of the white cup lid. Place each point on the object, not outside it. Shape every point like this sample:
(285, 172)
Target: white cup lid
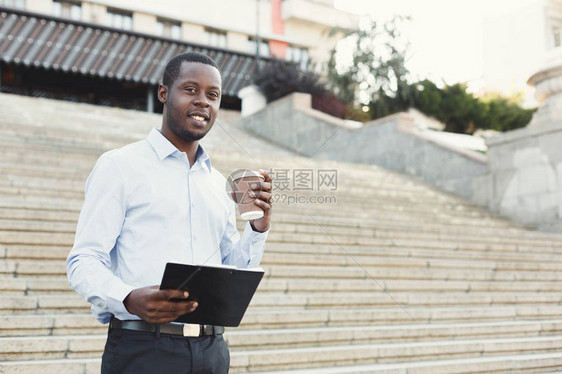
(255, 214)
(245, 173)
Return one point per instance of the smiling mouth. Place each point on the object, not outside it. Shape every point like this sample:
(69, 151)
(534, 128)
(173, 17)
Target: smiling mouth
(199, 118)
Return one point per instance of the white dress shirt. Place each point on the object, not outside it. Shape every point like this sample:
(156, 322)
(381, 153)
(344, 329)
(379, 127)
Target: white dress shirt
(144, 207)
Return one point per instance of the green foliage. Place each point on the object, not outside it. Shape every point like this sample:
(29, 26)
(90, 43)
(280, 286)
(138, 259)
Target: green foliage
(462, 112)
(280, 78)
(459, 110)
(375, 75)
(503, 114)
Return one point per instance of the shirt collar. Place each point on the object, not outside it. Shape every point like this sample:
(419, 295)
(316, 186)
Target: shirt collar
(164, 148)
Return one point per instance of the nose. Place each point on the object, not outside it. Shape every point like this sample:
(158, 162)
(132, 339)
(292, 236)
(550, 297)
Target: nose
(201, 100)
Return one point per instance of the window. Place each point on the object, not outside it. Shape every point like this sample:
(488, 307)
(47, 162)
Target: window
(67, 9)
(13, 3)
(557, 37)
(120, 20)
(299, 55)
(215, 38)
(264, 47)
(169, 29)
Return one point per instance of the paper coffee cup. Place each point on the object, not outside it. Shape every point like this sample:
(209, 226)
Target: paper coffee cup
(242, 181)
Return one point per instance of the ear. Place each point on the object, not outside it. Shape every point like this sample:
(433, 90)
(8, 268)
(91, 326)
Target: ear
(162, 93)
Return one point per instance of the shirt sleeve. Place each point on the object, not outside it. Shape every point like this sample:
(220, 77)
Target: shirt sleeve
(242, 251)
(89, 265)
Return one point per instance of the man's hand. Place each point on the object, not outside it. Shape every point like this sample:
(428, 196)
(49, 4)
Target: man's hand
(153, 305)
(263, 193)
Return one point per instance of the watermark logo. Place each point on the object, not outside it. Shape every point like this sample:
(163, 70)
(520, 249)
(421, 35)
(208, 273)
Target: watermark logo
(303, 186)
(239, 184)
(289, 186)
(304, 179)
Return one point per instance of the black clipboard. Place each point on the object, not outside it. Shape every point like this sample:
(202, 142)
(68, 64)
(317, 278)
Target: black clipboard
(223, 293)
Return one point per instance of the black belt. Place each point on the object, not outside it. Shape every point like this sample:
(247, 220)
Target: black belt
(186, 330)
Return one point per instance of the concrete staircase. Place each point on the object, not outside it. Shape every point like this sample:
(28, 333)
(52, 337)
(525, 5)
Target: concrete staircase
(394, 277)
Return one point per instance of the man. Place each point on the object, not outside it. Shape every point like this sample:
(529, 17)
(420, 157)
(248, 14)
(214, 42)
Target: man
(157, 201)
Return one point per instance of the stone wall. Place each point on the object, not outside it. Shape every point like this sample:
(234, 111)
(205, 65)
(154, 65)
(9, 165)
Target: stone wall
(525, 176)
(391, 142)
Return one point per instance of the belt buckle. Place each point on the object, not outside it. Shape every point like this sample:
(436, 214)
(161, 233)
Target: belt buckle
(191, 330)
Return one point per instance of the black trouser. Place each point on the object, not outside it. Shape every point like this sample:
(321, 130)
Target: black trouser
(138, 352)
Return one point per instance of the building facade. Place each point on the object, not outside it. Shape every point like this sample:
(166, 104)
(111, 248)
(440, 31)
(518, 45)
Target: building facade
(72, 33)
(516, 44)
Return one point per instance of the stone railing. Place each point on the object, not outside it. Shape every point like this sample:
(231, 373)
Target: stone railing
(520, 177)
(391, 142)
(525, 166)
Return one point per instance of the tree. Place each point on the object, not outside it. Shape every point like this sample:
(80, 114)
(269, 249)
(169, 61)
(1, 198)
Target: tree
(375, 70)
(504, 114)
(280, 78)
(462, 112)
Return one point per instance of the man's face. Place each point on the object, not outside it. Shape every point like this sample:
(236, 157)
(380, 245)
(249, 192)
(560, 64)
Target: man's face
(192, 101)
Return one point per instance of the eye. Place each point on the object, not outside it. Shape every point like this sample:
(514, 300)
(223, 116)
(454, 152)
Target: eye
(190, 90)
(214, 94)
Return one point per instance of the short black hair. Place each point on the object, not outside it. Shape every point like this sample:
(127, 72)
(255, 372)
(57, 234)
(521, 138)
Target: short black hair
(173, 67)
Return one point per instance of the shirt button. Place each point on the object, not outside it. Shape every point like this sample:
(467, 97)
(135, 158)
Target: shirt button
(192, 204)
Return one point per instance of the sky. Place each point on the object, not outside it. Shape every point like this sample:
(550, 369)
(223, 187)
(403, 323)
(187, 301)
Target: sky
(446, 38)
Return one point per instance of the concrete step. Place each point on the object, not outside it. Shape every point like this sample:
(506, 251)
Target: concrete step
(33, 225)
(389, 353)
(373, 209)
(500, 364)
(379, 232)
(15, 192)
(34, 252)
(46, 172)
(414, 323)
(383, 210)
(284, 254)
(75, 324)
(46, 204)
(73, 134)
(22, 269)
(45, 304)
(61, 366)
(34, 286)
(377, 298)
(39, 214)
(52, 347)
(411, 203)
(32, 218)
(18, 230)
(256, 318)
(469, 283)
(317, 314)
(373, 272)
(30, 285)
(250, 343)
(35, 232)
(68, 204)
(335, 267)
(424, 226)
(50, 324)
(321, 336)
(312, 286)
(431, 261)
(345, 241)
